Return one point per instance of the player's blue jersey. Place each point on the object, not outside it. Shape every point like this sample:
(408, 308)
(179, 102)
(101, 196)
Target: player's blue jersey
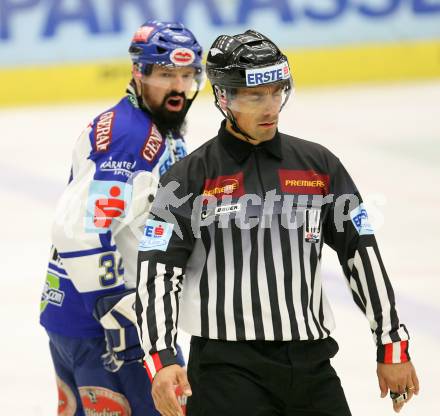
(116, 164)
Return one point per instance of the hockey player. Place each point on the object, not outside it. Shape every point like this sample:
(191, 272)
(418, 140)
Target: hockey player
(87, 305)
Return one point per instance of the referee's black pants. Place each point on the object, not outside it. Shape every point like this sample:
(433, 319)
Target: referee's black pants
(264, 378)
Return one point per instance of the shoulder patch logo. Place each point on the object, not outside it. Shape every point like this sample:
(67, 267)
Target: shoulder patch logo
(157, 235)
(359, 218)
(152, 145)
(103, 131)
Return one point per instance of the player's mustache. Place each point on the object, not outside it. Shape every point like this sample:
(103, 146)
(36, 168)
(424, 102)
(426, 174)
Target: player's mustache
(173, 94)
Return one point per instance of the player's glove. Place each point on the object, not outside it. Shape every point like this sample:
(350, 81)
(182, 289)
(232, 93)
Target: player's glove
(116, 313)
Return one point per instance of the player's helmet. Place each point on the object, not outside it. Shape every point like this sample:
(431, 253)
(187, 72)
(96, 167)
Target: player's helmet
(168, 44)
(165, 43)
(235, 61)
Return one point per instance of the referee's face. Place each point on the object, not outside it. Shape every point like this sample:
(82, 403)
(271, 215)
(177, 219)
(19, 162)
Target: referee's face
(256, 110)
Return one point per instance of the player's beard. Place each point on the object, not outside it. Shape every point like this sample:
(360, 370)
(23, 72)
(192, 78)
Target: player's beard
(167, 120)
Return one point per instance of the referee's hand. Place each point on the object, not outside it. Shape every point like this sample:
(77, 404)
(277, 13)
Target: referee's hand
(398, 378)
(164, 387)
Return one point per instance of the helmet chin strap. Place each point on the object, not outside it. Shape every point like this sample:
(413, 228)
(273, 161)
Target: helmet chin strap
(230, 116)
(140, 96)
(235, 126)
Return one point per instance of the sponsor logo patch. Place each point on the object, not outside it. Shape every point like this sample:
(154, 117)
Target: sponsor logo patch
(99, 401)
(51, 293)
(107, 200)
(53, 296)
(118, 166)
(312, 229)
(260, 76)
(303, 182)
(103, 131)
(157, 235)
(152, 145)
(66, 399)
(226, 209)
(225, 185)
(142, 34)
(182, 56)
(359, 218)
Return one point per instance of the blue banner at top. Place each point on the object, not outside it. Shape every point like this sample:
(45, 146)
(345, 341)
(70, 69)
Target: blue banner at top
(56, 31)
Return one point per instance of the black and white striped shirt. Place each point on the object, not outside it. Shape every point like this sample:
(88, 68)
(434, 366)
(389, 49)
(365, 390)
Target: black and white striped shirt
(235, 252)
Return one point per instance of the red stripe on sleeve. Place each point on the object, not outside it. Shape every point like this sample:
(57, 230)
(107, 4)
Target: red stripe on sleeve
(157, 362)
(388, 355)
(403, 351)
(148, 371)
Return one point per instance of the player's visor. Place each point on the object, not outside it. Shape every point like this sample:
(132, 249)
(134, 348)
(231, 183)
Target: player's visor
(269, 98)
(186, 80)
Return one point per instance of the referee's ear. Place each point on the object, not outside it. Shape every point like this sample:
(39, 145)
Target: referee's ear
(182, 379)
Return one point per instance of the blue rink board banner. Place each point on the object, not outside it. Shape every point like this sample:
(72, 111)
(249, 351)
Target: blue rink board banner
(58, 31)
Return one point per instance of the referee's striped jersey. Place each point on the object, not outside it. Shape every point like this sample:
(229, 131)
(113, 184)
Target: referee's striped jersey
(234, 253)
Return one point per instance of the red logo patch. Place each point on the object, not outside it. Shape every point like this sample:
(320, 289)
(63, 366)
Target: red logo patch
(142, 34)
(181, 398)
(225, 185)
(103, 132)
(66, 399)
(152, 145)
(158, 231)
(182, 56)
(108, 208)
(303, 182)
(99, 401)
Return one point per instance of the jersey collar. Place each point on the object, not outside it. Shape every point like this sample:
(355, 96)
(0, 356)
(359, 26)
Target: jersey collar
(240, 150)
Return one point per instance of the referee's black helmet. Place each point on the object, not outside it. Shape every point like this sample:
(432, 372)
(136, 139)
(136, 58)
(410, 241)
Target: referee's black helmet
(231, 58)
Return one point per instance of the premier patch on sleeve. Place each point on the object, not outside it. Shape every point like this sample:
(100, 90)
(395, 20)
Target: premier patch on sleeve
(359, 218)
(268, 74)
(157, 235)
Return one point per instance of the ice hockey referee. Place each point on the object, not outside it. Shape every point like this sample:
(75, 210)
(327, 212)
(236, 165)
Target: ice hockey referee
(231, 254)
